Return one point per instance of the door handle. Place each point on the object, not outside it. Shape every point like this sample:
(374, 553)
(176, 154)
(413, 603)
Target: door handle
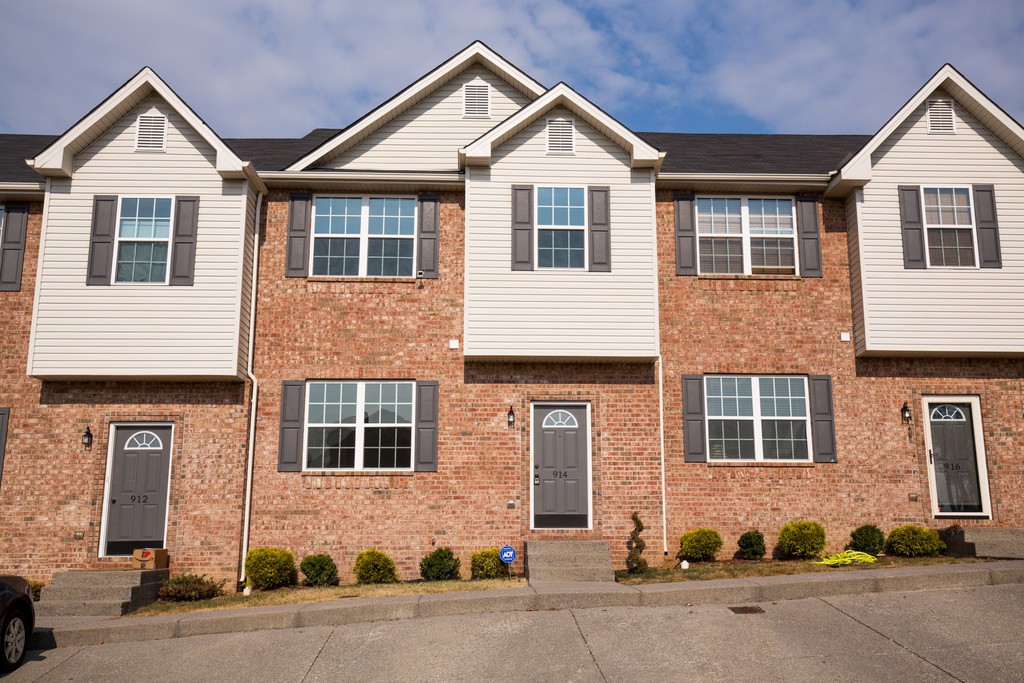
(113, 500)
(931, 457)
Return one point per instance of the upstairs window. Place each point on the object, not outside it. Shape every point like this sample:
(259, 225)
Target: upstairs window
(143, 239)
(476, 100)
(949, 224)
(739, 235)
(561, 136)
(561, 227)
(151, 133)
(364, 236)
(940, 116)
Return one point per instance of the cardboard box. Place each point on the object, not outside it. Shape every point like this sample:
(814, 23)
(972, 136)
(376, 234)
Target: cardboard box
(149, 558)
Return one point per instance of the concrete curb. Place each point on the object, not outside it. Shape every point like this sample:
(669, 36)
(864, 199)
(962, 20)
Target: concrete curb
(54, 632)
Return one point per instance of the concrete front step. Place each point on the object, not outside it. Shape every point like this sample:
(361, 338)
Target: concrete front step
(141, 594)
(116, 577)
(567, 561)
(83, 608)
(95, 593)
(572, 574)
(997, 543)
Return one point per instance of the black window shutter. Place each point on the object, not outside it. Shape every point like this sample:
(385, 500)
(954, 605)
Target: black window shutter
(693, 419)
(600, 229)
(913, 226)
(12, 247)
(823, 430)
(183, 242)
(809, 230)
(5, 414)
(426, 427)
(522, 227)
(430, 210)
(990, 255)
(686, 236)
(101, 244)
(289, 444)
(300, 211)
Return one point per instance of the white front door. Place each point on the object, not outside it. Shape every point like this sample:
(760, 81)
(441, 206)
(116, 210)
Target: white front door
(957, 473)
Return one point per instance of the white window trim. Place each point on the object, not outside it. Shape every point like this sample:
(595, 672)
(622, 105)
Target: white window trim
(952, 115)
(745, 234)
(364, 234)
(973, 227)
(979, 454)
(360, 425)
(138, 133)
(487, 98)
(572, 137)
(117, 242)
(585, 229)
(758, 442)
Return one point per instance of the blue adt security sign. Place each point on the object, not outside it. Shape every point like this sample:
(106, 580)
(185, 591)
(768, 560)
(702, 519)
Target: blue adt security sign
(508, 554)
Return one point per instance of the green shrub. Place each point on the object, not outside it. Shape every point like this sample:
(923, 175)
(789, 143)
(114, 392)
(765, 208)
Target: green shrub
(190, 587)
(319, 570)
(699, 545)
(373, 566)
(801, 539)
(487, 564)
(634, 562)
(914, 541)
(440, 565)
(36, 587)
(267, 568)
(752, 545)
(867, 539)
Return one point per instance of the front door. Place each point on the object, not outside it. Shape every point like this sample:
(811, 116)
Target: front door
(957, 473)
(137, 494)
(561, 467)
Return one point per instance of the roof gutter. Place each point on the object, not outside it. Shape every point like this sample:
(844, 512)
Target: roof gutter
(28, 188)
(817, 179)
(279, 178)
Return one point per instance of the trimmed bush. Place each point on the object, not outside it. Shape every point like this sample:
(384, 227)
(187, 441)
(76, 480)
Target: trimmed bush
(36, 587)
(634, 562)
(867, 539)
(699, 545)
(190, 587)
(802, 539)
(373, 566)
(752, 545)
(268, 568)
(487, 564)
(440, 565)
(319, 570)
(914, 541)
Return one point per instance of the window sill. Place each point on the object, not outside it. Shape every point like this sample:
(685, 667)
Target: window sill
(744, 276)
(357, 473)
(315, 280)
(760, 463)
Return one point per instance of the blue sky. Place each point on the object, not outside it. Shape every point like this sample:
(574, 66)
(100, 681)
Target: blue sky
(270, 68)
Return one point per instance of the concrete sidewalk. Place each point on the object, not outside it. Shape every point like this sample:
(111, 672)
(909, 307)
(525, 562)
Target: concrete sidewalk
(80, 631)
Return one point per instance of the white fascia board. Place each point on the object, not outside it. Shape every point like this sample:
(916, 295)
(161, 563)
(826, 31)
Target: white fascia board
(58, 158)
(412, 178)
(475, 53)
(20, 189)
(789, 178)
(642, 154)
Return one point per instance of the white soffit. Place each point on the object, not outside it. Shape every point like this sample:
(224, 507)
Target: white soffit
(642, 154)
(476, 53)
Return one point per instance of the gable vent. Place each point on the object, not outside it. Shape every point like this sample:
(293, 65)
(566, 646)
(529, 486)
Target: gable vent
(561, 136)
(476, 99)
(151, 132)
(940, 116)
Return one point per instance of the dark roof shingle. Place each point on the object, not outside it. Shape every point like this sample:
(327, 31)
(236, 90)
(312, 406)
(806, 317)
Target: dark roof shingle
(14, 149)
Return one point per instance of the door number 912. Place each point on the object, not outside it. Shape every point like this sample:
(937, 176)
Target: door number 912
(140, 499)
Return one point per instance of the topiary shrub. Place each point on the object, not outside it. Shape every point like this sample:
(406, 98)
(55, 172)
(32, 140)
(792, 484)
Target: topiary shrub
(634, 562)
(487, 564)
(37, 589)
(699, 545)
(801, 539)
(319, 570)
(867, 539)
(268, 568)
(914, 541)
(373, 566)
(751, 545)
(190, 587)
(440, 565)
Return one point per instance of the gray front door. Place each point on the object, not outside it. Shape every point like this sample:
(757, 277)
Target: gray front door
(561, 471)
(137, 497)
(953, 457)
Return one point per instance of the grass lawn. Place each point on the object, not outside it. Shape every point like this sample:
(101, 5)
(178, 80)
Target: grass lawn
(301, 594)
(744, 569)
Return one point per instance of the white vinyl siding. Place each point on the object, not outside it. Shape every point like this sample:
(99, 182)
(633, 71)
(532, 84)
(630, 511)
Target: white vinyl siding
(941, 310)
(140, 330)
(250, 226)
(427, 137)
(560, 313)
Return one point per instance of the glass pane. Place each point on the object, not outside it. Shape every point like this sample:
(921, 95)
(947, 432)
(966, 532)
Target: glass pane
(141, 262)
(560, 206)
(730, 397)
(337, 256)
(719, 216)
(331, 448)
(731, 439)
(772, 256)
(721, 255)
(951, 246)
(389, 257)
(388, 403)
(560, 248)
(387, 447)
(337, 215)
(331, 403)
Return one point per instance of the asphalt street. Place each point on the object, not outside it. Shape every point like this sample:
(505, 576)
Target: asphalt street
(963, 634)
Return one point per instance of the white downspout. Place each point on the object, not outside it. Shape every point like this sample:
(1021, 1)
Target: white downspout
(255, 387)
(661, 435)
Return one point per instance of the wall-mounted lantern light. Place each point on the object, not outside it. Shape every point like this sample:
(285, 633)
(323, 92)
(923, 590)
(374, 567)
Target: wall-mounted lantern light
(905, 413)
(87, 438)
(511, 418)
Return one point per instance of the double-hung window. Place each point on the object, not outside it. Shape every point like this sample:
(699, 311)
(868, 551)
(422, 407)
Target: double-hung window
(359, 425)
(143, 239)
(757, 418)
(739, 235)
(561, 227)
(949, 222)
(364, 236)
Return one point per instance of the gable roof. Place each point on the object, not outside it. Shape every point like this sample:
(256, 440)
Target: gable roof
(58, 158)
(642, 154)
(14, 149)
(857, 171)
(277, 154)
(475, 53)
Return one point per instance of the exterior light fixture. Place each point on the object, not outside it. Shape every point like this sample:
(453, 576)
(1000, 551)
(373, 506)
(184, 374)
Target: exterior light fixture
(905, 413)
(87, 438)
(511, 418)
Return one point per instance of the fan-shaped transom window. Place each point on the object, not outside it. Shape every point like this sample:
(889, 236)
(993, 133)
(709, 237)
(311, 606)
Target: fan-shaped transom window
(144, 441)
(948, 413)
(560, 418)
